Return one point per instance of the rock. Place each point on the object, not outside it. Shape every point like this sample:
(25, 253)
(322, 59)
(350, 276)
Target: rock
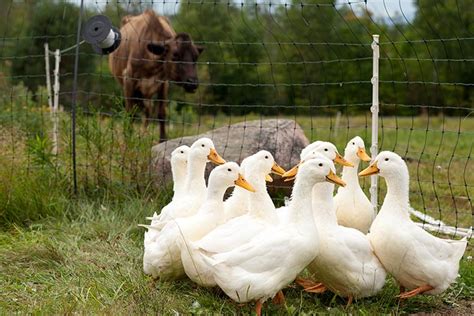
(283, 138)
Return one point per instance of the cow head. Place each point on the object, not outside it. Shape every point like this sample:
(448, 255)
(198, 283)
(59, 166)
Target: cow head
(179, 55)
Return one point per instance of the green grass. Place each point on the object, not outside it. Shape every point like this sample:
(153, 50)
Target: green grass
(60, 254)
(90, 262)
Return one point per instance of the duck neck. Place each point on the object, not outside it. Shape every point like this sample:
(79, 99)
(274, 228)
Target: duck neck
(350, 174)
(195, 179)
(397, 193)
(179, 176)
(323, 205)
(215, 195)
(260, 203)
(239, 194)
(300, 204)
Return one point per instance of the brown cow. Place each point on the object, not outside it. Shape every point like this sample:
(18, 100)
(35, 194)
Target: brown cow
(150, 55)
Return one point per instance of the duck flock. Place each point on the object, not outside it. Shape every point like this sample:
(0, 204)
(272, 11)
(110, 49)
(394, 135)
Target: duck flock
(252, 250)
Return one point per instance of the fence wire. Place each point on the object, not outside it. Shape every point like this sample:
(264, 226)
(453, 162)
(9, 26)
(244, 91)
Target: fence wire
(310, 62)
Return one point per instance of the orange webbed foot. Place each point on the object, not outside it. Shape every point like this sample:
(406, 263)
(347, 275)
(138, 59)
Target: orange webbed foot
(306, 283)
(417, 291)
(349, 301)
(258, 308)
(318, 288)
(279, 298)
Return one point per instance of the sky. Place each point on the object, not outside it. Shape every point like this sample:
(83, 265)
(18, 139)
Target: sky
(380, 8)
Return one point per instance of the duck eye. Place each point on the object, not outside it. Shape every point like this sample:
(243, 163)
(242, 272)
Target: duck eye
(202, 145)
(353, 143)
(229, 169)
(325, 149)
(266, 157)
(182, 152)
(386, 159)
(320, 164)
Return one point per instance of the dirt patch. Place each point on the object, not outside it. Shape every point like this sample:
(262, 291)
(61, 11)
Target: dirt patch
(461, 308)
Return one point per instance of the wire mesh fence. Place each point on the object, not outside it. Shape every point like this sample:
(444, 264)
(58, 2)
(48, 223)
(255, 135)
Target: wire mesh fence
(308, 61)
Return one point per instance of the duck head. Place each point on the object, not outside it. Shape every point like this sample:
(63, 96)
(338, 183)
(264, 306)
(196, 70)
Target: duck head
(316, 170)
(179, 156)
(228, 175)
(204, 149)
(325, 149)
(388, 165)
(308, 149)
(355, 151)
(263, 163)
(329, 151)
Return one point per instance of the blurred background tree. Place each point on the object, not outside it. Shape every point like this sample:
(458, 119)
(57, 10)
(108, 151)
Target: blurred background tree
(283, 56)
(54, 22)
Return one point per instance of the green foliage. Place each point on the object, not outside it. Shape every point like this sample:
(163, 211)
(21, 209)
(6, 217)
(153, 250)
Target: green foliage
(30, 195)
(15, 97)
(446, 19)
(337, 74)
(54, 22)
(39, 149)
(228, 62)
(284, 57)
(18, 108)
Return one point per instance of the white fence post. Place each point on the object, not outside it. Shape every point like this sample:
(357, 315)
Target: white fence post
(375, 115)
(57, 57)
(48, 74)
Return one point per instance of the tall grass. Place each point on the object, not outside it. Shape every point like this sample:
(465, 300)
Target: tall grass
(114, 157)
(113, 162)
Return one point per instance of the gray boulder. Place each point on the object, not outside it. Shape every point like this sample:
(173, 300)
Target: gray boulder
(283, 138)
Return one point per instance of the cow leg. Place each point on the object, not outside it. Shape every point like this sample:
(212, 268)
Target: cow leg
(128, 90)
(162, 105)
(149, 111)
(162, 120)
(133, 96)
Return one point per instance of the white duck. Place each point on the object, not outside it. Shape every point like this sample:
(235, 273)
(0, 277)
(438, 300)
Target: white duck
(239, 230)
(194, 191)
(179, 166)
(164, 257)
(259, 269)
(179, 158)
(346, 263)
(353, 208)
(308, 149)
(419, 261)
(326, 149)
(234, 205)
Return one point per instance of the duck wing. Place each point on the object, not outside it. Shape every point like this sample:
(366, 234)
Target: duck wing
(231, 235)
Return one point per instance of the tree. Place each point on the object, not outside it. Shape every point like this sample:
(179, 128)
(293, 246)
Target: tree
(448, 23)
(223, 30)
(54, 22)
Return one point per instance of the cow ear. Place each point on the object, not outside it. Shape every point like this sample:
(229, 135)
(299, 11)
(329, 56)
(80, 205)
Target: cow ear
(200, 49)
(156, 48)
